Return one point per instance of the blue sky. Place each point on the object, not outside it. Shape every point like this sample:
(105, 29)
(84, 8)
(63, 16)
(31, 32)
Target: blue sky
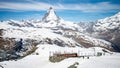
(72, 10)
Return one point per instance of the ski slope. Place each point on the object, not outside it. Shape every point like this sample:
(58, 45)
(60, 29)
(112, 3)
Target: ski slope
(109, 61)
(42, 60)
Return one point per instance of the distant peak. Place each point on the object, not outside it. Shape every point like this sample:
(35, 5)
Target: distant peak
(50, 15)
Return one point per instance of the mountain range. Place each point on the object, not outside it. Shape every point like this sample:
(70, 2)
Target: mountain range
(53, 30)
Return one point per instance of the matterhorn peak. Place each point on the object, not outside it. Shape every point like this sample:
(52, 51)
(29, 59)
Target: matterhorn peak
(50, 15)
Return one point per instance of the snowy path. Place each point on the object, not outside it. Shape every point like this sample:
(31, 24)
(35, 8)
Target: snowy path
(35, 61)
(101, 62)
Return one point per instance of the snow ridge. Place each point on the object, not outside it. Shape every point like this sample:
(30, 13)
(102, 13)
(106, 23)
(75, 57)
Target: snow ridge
(109, 23)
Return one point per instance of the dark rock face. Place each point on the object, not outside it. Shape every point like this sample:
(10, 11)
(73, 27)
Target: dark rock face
(1, 32)
(8, 46)
(113, 37)
(7, 43)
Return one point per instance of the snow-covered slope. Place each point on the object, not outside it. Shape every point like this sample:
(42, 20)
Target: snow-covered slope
(61, 36)
(109, 29)
(41, 34)
(109, 23)
(41, 59)
(88, 41)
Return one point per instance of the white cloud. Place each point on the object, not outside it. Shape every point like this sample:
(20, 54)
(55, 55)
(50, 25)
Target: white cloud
(24, 6)
(98, 7)
(38, 6)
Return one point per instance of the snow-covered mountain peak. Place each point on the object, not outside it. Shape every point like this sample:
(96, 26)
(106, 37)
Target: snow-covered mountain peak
(109, 23)
(50, 20)
(50, 15)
